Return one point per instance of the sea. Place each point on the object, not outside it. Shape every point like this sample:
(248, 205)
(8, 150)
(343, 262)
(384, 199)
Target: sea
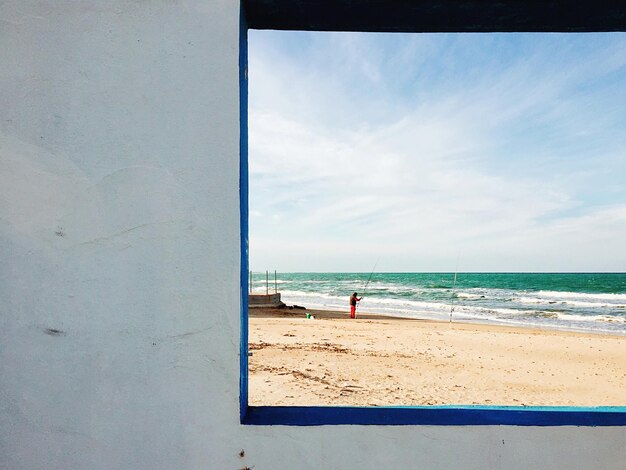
(591, 302)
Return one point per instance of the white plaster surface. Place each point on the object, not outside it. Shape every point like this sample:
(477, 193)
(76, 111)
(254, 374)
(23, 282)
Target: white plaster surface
(119, 261)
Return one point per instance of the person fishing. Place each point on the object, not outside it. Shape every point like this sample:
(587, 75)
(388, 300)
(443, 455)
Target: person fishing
(353, 300)
(354, 297)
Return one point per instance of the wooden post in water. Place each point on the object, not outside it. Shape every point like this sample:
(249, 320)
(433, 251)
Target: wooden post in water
(275, 283)
(267, 282)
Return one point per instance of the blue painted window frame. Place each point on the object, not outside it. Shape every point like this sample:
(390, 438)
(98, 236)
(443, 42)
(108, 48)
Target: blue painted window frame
(386, 415)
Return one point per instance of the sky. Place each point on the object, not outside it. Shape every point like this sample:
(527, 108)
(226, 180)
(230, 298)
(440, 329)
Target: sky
(437, 152)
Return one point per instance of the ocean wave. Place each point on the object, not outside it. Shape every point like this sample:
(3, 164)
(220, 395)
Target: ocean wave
(572, 303)
(470, 296)
(301, 293)
(593, 312)
(372, 304)
(545, 314)
(393, 288)
(590, 318)
(581, 295)
(501, 311)
(368, 303)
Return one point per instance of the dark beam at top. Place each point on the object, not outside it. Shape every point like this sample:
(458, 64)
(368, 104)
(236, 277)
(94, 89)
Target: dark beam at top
(437, 15)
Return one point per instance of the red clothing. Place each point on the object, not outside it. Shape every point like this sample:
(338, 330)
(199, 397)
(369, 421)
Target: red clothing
(352, 311)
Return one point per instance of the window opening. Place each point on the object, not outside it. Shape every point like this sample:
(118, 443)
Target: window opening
(283, 150)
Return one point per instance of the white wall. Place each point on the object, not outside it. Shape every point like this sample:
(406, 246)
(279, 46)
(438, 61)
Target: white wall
(119, 227)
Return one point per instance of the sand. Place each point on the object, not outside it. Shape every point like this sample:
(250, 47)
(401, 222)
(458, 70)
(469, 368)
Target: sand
(377, 361)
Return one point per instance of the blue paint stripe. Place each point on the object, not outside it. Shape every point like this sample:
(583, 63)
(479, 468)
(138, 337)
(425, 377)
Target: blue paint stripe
(243, 209)
(435, 415)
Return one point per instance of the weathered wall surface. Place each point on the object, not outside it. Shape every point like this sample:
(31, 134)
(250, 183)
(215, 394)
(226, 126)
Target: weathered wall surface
(119, 261)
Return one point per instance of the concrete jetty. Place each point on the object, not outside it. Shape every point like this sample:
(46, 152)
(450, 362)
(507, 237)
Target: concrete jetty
(265, 300)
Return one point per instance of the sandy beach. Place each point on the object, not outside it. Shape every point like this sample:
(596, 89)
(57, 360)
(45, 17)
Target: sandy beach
(377, 361)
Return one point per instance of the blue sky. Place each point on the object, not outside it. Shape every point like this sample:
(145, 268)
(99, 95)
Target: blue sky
(504, 151)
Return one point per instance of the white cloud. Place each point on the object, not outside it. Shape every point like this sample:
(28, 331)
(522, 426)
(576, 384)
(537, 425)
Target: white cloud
(481, 166)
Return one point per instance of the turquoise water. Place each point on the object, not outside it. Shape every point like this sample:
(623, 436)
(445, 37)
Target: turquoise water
(578, 301)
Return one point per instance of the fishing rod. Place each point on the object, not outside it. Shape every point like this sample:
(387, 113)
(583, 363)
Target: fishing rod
(370, 278)
(456, 270)
(367, 283)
